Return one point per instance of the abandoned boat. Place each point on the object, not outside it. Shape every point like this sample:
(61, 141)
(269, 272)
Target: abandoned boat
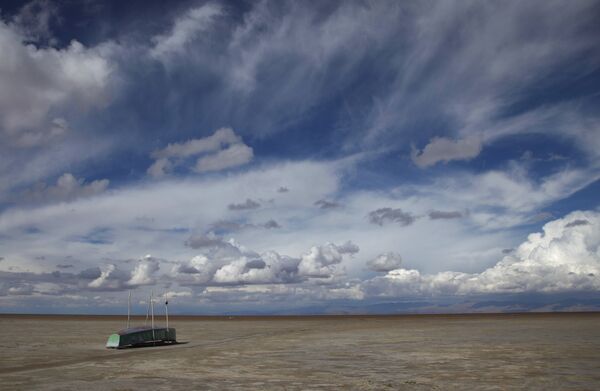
(143, 335)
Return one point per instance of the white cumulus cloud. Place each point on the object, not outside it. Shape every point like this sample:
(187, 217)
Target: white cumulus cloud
(143, 273)
(564, 257)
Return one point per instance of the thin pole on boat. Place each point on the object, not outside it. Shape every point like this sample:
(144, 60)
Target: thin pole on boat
(167, 310)
(128, 308)
(152, 309)
(147, 314)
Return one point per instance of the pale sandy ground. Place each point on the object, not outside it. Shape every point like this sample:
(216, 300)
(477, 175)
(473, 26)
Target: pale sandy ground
(545, 352)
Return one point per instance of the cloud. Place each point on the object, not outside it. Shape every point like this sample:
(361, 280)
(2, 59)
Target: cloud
(34, 20)
(324, 204)
(541, 216)
(98, 235)
(441, 149)
(256, 264)
(576, 223)
(504, 198)
(383, 215)
(560, 259)
(173, 294)
(160, 168)
(191, 205)
(110, 278)
(271, 224)
(67, 187)
(247, 205)
(348, 248)
(235, 265)
(222, 137)
(39, 84)
(444, 215)
(223, 149)
(184, 31)
(201, 241)
(143, 273)
(233, 156)
(21, 290)
(106, 278)
(319, 261)
(385, 262)
(461, 104)
(223, 226)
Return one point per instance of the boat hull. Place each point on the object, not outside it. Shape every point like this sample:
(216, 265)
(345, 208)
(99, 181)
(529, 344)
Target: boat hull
(141, 336)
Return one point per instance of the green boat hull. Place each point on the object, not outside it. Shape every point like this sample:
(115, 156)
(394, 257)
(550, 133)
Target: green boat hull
(141, 337)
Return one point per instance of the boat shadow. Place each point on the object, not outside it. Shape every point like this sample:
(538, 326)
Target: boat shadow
(153, 345)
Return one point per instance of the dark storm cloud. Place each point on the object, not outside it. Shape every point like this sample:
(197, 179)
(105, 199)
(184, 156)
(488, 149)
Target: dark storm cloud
(389, 215)
(247, 205)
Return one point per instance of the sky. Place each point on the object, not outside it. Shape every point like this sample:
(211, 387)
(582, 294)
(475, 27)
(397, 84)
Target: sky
(296, 157)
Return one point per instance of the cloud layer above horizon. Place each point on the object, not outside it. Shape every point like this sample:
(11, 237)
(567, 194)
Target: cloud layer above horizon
(279, 155)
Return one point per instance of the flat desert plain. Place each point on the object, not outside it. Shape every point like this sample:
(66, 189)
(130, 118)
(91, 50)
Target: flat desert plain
(438, 352)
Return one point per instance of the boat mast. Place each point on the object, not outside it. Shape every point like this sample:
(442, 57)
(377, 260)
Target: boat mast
(128, 308)
(147, 314)
(167, 310)
(152, 310)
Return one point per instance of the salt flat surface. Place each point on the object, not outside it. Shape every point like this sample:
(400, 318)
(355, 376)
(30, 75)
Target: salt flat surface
(487, 352)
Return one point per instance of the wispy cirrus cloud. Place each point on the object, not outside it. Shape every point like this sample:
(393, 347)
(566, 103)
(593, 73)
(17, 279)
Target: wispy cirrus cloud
(185, 29)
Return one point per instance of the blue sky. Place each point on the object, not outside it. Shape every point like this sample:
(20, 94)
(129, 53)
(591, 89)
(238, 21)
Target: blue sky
(282, 157)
